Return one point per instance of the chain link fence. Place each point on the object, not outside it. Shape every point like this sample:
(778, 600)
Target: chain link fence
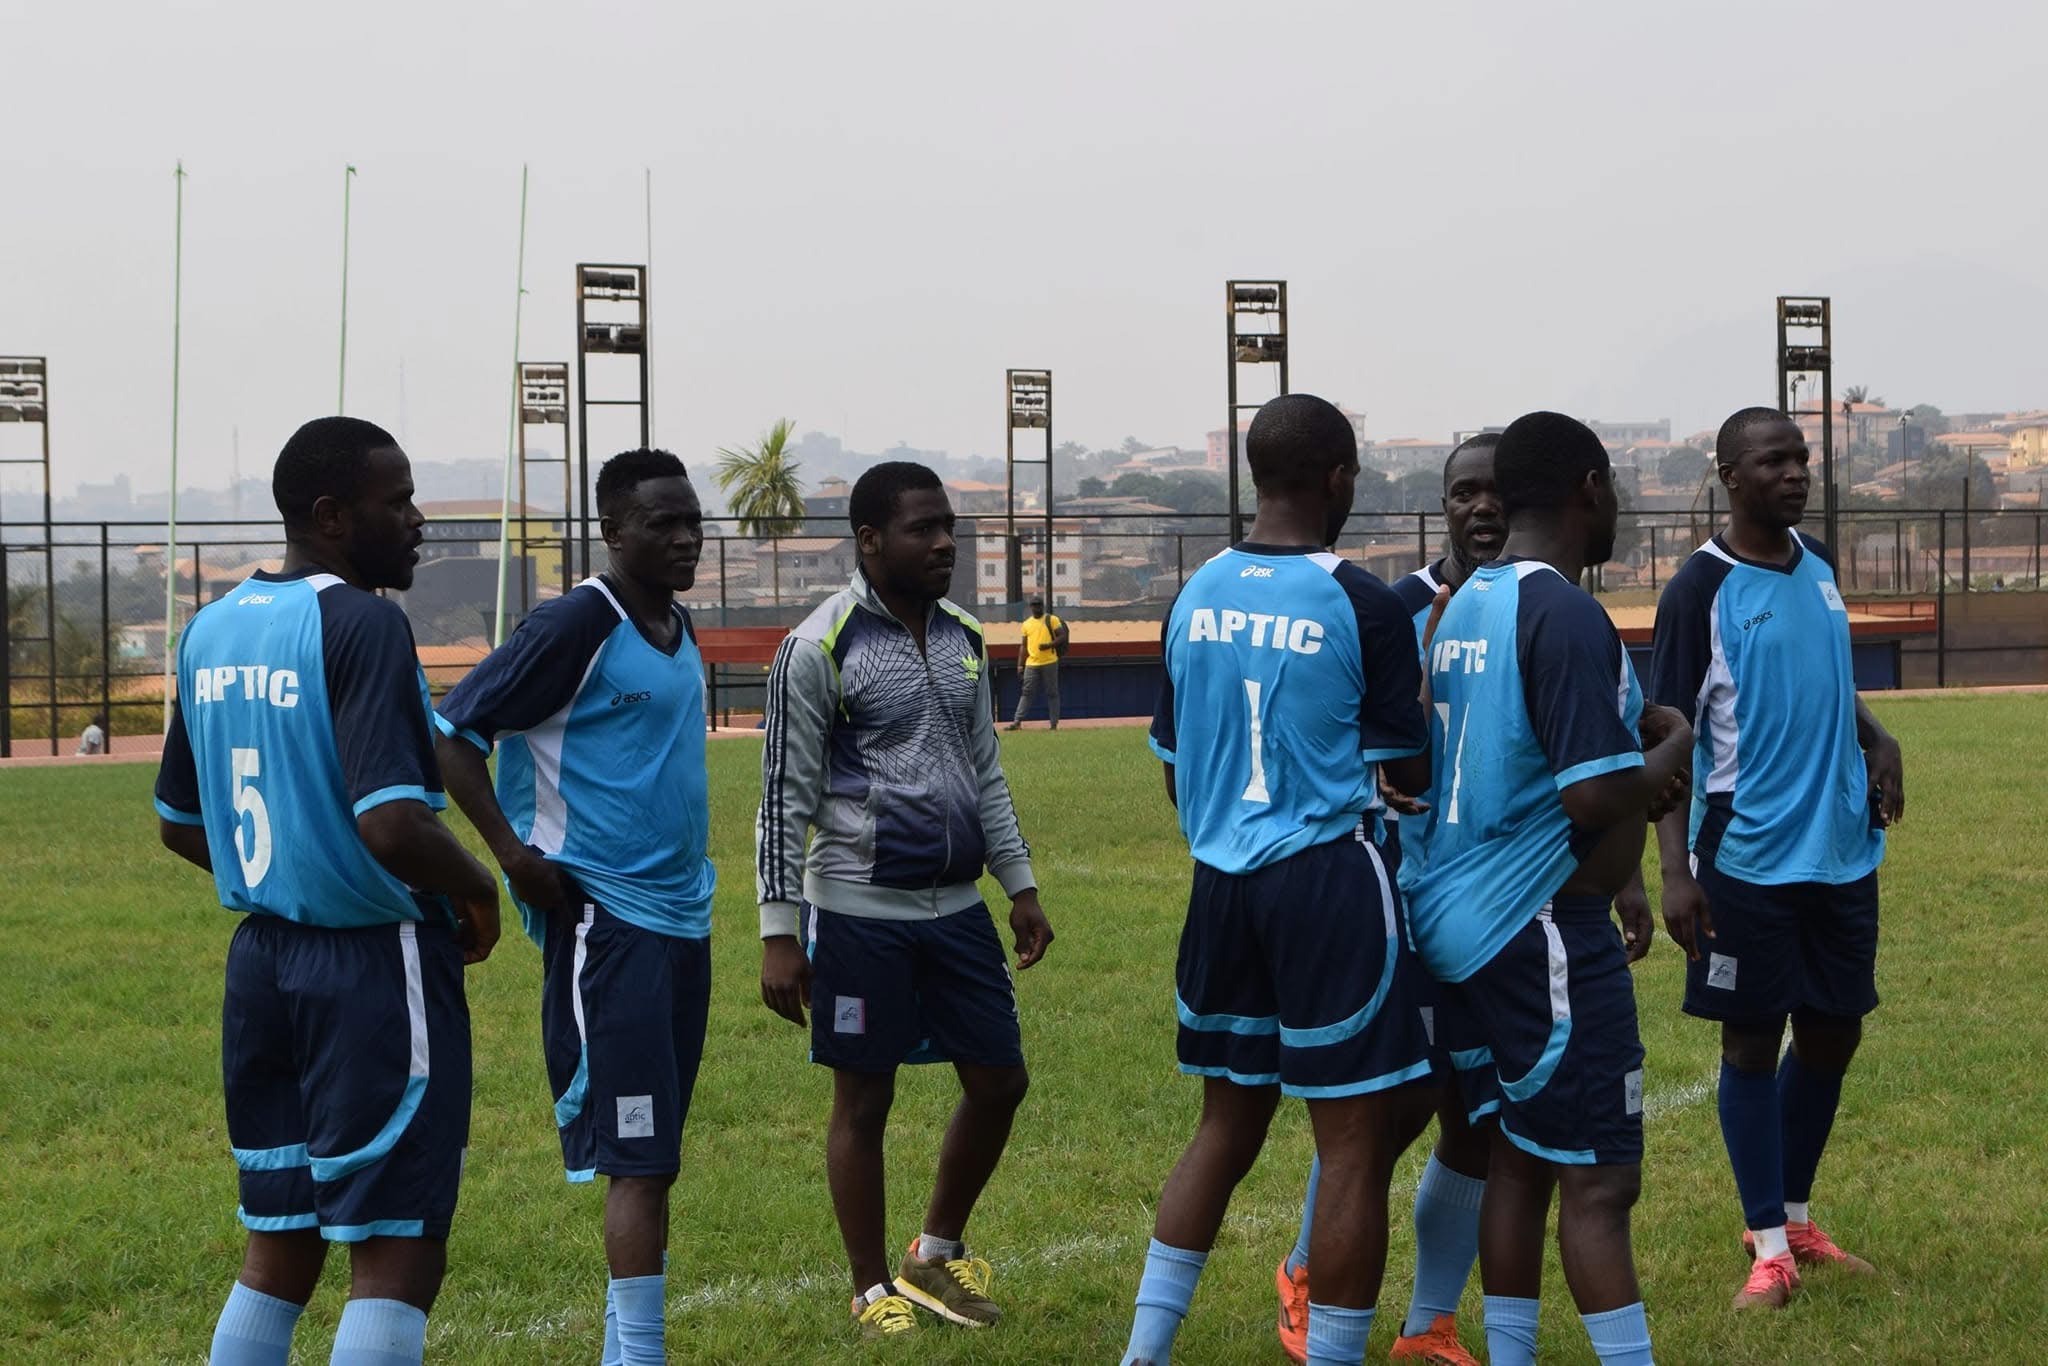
(85, 620)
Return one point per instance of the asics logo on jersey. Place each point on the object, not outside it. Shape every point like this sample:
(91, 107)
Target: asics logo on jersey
(1256, 571)
(1445, 655)
(1759, 619)
(251, 682)
(620, 699)
(1261, 629)
(254, 598)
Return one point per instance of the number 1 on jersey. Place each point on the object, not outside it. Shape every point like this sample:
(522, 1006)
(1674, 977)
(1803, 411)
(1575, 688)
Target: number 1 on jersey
(1443, 713)
(1255, 790)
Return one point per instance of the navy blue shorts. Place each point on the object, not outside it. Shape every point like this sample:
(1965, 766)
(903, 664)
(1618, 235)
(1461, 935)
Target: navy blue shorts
(887, 992)
(1544, 1036)
(345, 1058)
(1296, 975)
(1776, 949)
(622, 1013)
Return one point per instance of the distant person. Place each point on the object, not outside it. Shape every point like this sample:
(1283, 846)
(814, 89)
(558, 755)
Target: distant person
(1291, 678)
(299, 769)
(882, 802)
(1770, 881)
(1043, 640)
(93, 739)
(1540, 800)
(600, 819)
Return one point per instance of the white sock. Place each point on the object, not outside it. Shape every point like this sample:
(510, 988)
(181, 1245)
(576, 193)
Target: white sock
(945, 1249)
(1795, 1212)
(1770, 1242)
(881, 1290)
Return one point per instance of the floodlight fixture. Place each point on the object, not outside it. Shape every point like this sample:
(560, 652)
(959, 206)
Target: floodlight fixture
(1805, 349)
(1255, 333)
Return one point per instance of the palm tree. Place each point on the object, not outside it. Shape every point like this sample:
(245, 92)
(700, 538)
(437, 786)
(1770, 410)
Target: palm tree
(760, 482)
(1860, 393)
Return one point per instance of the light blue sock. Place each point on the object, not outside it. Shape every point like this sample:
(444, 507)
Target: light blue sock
(1446, 1242)
(640, 1303)
(1308, 1217)
(1163, 1295)
(1336, 1335)
(611, 1355)
(254, 1329)
(1510, 1331)
(1621, 1337)
(380, 1333)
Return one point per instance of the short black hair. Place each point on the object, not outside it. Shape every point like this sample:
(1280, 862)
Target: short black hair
(326, 458)
(1485, 441)
(1728, 443)
(873, 501)
(1295, 441)
(627, 470)
(1541, 458)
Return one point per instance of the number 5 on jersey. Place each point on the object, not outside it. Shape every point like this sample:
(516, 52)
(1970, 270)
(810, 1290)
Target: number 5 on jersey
(247, 765)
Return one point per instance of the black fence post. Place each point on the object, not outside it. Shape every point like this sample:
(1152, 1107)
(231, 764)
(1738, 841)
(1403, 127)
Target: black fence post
(1941, 602)
(106, 648)
(6, 663)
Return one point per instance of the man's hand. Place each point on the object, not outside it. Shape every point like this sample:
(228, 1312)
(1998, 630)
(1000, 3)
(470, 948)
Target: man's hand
(476, 925)
(1436, 614)
(1686, 918)
(1887, 779)
(1676, 793)
(1399, 801)
(537, 881)
(1029, 925)
(1660, 723)
(785, 977)
(1632, 904)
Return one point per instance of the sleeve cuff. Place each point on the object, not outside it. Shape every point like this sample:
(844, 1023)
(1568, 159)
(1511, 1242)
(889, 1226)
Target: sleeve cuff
(1595, 768)
(400, 792)
(1161, 750)
(1381, 756)
(778, 917)
(1016, 878)
(447, 727)
(177, 817)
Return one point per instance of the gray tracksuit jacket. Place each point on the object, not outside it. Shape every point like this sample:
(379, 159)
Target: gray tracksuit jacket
(889, 755)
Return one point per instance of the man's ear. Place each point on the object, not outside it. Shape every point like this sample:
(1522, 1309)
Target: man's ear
(868, 540)
(608, 527)
(330, 517)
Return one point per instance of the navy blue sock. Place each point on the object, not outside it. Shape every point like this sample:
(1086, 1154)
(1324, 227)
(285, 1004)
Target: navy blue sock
(1756, 1149)
(1308, 1217)
(1807, 1098)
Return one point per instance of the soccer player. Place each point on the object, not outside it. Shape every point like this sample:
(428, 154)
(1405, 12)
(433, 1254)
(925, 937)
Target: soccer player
(1447, 1198)
(882, 754)
(1770, 885)
(1038, 663)
(299, 770)
(1539, 811)
(600, 820)
(1290, 674)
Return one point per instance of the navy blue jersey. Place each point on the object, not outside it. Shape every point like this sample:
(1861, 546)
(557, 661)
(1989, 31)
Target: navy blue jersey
(1417, 590)
(1532, 693)
(301, 705)
(601, 759)
(1757, 657)
(1290, 675)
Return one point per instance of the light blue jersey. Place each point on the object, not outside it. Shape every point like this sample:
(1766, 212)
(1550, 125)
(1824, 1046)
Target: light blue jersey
(1757, 657)
(600, 737)
(1290, 675)
(1532, 693)
(301, 706)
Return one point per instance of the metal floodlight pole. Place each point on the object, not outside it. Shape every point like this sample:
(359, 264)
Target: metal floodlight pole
(1256, 298)
(511, 430)
(1797, 359)
(1027, 403)
(25, 397)
(348, 177)
(171, 526)
(615, 284)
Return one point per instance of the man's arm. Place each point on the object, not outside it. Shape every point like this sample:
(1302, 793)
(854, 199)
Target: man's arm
(802, 693)
(188, 842)
(1606, 799)
(1393, 728)
(179, 822)
(1887, 765)
(534, 880)
(1008, 858)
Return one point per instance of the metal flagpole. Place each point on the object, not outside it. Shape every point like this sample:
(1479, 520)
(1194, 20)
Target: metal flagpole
(512, 435)
(171, 526)
(647, 340)
(348, 176)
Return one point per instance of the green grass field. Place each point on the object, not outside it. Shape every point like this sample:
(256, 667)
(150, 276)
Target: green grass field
(118, 1238)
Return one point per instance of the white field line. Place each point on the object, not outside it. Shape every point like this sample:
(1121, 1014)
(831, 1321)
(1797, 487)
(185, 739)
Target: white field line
(1103, 1249)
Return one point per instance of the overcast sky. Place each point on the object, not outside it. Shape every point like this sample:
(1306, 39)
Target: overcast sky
(864, 212)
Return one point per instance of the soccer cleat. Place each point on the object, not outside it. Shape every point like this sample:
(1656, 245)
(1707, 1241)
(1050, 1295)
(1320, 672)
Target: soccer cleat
(1293, 1322)
(956, 1289)
(1771, 1283)
(1811, 1247)
(1438, 1347)
(888, 1317)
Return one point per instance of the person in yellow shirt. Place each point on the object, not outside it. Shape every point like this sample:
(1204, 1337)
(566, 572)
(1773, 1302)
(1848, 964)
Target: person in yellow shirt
(1038, 659)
